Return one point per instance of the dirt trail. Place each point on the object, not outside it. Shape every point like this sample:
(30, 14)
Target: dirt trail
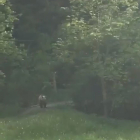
(36, 108)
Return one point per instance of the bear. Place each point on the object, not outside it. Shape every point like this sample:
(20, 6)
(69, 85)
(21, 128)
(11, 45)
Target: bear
(42, 101)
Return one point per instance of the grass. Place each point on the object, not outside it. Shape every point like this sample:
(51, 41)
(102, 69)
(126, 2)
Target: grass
(67, 125)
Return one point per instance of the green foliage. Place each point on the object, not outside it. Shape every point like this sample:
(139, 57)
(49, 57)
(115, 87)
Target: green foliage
(11, 56)
(29, 68)
(9, 53)
(38, 22)
(9, 110)
(97, 43)
(96, 39)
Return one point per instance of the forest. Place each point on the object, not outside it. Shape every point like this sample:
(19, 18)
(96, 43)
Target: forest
(84, 51)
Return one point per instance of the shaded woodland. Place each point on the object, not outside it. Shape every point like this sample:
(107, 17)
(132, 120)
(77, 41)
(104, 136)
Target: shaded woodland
(87, 50)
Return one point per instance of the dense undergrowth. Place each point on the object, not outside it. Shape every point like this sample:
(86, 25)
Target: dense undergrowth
(67, 125)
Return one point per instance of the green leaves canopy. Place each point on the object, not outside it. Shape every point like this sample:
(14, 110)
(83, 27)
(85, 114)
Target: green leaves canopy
(96, 33)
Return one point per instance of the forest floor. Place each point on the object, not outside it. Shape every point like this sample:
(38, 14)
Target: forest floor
(66, 124)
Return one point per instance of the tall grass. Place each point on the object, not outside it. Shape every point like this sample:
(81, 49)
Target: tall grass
(67, 125)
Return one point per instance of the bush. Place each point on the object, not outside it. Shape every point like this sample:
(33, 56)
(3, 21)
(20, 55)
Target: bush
(9, 110)
(87, 96)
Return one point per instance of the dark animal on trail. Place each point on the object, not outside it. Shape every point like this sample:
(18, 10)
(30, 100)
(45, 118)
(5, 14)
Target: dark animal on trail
(42, 101)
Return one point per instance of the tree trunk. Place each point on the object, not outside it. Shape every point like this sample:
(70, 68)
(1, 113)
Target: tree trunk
(104, 94)
(54, 82)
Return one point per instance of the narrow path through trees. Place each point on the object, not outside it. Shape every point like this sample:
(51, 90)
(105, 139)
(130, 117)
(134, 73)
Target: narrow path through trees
(36, 108)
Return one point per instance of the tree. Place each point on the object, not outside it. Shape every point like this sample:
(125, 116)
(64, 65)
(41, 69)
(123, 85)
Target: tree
(36, 28)
(96, 39)
(10, 55)
(37, 20)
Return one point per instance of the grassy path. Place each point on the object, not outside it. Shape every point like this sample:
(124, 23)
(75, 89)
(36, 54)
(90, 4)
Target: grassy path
(36, 108)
